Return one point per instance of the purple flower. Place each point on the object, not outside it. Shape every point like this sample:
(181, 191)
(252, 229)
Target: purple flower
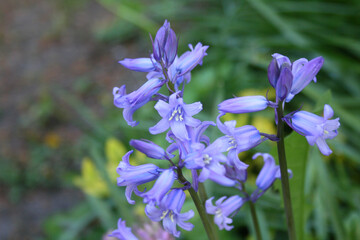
(316, 129)
(169, 212)
(133, 101)
(187, 61)
(223, 209)
(162, 185)
(243, 104)
(132, 176)
(302, 71)
(208, 159)
(237, 140)
(123, 232)
(176, 115)
(165, 45)
(150, 149)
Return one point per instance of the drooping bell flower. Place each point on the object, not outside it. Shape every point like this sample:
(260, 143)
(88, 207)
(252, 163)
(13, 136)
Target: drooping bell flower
(237, 140)
(134, 100)
(223, 209)
(133, 176)
(316, 129)
(162, 185)
(267, 176)
(169, 211)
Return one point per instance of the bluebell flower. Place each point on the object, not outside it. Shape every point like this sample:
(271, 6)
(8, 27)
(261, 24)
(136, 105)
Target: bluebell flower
(316, 129)
(176, 115)
(165, 45)
(237, 140)
(169, 212)
(208, 160)
(123, 232)
(140, 64)
(195, 136)
(150, 149)
(302, 71)
(224, 209)
(133, 101)
(268, 174)
(162, 185)
(132, 176)
(243, 104)
(187, 61)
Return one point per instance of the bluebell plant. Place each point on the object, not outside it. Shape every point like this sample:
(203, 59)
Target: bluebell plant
(190, 149)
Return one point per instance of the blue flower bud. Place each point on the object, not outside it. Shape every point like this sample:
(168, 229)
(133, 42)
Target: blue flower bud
(243, 104)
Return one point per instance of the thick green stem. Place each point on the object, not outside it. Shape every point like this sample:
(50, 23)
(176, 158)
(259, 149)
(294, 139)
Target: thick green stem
(203, 215)
(284, 174)
(203, 198)
(255, 221)
(200, 208)
(202, 193)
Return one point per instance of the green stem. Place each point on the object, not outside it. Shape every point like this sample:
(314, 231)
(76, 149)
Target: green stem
(255, 221)
(203, 198)
(203, 215)
(202, 193)
(200, 208)
(284, 174)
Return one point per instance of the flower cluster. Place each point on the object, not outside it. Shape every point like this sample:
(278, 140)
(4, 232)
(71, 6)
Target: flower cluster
(189, 147)
(288, 79)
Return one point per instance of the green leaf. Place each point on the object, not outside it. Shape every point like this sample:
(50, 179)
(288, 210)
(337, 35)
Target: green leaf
(296, 148)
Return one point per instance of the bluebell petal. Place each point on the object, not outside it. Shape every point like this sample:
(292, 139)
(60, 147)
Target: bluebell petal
(153, 212)
(193, 108)
(284, 83)
(192, 122)
(181, 218)
(179, 130)
(163, 108)
(170, 227)
(298, 65)
(328, 112)
(323, 147)
(281, 59)
(160, 127)
(273, 72)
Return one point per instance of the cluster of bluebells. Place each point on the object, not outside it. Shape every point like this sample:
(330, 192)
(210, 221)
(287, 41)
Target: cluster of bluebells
(188, 146)
(288, 79)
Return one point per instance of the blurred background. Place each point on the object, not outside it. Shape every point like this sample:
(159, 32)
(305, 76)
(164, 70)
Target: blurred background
(62, 138)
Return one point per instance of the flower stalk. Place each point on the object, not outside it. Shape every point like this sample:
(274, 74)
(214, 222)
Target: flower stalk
(284, 174)
(255, 221)
(200, 208)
